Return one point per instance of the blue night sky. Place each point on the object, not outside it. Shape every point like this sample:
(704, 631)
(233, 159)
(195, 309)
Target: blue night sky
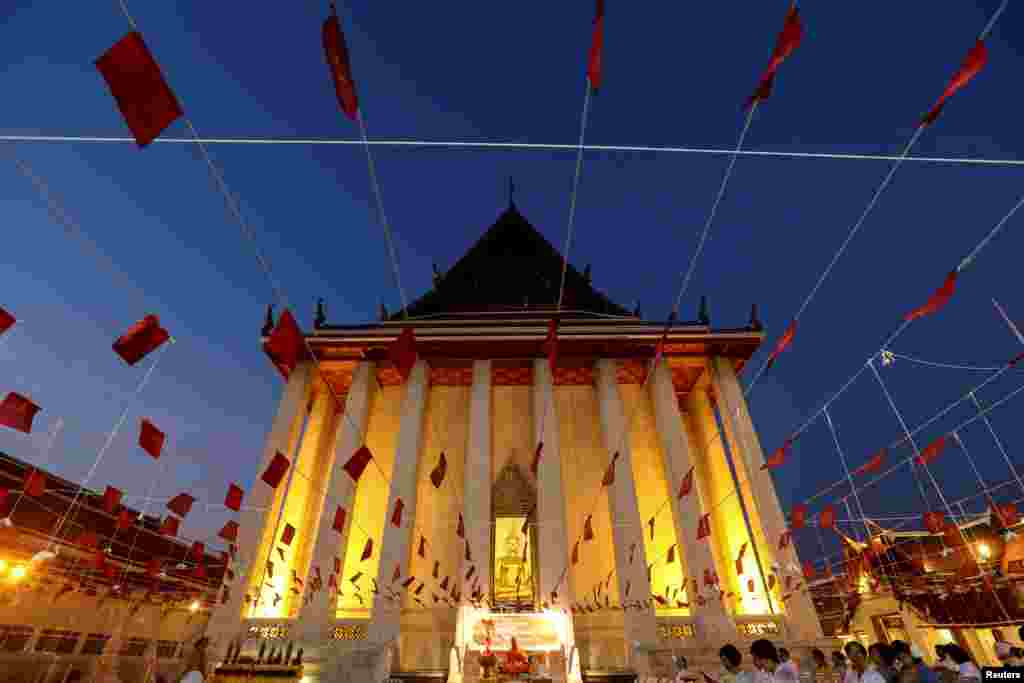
(153, 234)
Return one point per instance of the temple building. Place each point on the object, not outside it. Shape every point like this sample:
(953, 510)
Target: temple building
(606, 506)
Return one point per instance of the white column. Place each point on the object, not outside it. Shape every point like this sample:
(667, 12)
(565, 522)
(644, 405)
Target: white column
(317, 616)
(715, 624)
(396, 543)
(226, 622)
(748, 459)
(552, 531)
(627, 528)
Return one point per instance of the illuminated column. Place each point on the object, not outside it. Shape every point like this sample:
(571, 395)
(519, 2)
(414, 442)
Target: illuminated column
(226, 622)
(396, 542)
(715, 624)
(627, 528)
(317, 616)
(748, 459)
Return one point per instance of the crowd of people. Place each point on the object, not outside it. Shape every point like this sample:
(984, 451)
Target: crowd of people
(895, 662)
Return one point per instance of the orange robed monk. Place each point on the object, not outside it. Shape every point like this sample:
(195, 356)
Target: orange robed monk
(515, 661)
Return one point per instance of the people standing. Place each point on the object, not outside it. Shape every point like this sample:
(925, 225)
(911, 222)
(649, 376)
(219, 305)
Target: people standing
(966, 669)
(731, 660)
(195, 669)
(912, 668)
(1007, 654)
(861, 669)
(788, 670)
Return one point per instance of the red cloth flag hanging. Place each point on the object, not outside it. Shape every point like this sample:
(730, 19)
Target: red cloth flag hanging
(275, 471)
(686, 485)
(787, 42)
(936, 301)
(704, 527)
(153, 567)
(125, 519)
(396, 516)
(827, 518)
(975, 61)
(339, 519)
(170, 526)
(198, 551)
(778, 458)
(17, 412)
(437, 474)
(229, 531)
(35, 484)
(650, 524)
(460, 531)
(6, 320)
(356, 465)
(784, 343)
(596, 48)
(671, 557)
(609, 473)
(340, 66)
(151, 439)
(437, 568)
(469, 554)
(422, 551)
(288, 535)
(535, 463)
(798, 516)
(233, 500)
(141, 339)
(111, 500)
(402, 353)
(88, 539)
(367, 550)
(873, 465)
(181, 504)
(284, 345)
(551, 347)
(750, 585)
(146, 101)
(588, 529)
(784, 538)
(931, 451)
(576, 553)
(809, 572)
(1007, 515)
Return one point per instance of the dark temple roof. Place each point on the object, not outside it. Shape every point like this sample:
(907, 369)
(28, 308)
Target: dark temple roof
(511, 267)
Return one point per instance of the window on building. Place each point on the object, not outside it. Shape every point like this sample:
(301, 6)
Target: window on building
(134, 647)
(95, 643)
(14, 638)
(57, 641)
(166, 649)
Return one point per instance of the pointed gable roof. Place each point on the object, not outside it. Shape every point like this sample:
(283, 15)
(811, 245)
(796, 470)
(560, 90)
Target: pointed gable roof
(511, 267)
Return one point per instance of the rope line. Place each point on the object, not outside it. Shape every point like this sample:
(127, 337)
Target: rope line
(573, 195)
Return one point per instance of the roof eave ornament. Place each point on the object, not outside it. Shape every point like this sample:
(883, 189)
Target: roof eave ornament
(268, 324)
(702, 314)
(320, 319)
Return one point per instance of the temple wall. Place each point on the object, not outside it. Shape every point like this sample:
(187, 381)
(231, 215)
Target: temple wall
(369, 510)
(652, 490)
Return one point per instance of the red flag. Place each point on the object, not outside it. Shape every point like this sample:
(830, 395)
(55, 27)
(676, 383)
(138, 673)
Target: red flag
(151, 439)
(230, 531)
(288, 534)
(671, 557)
(782, 344)
(588, 529)
(437, 474)
(170, 526)
(596, 48)
(827, 518)
(704, 527)
(141, 339)
(125, 519)
(809, 572)
(284, 345)
(936, 301)
(88, 539)
(181, 504)
(609, 473)
(469, 554)
(111, 500)
(403, 353)
(198, 550)
(35, 484)
(686, 485)
(872, 465)
(784, 538)
(153, 567)
(460, 531)
(233, 501)
(17, 412)
(798, 516)
(397, 574)
(931, 451)
(576, 553)
(1007, 515)
(422, 551)
(975, 61)
(146, 101)
(469, 574)
(535, 463)
(787, 42)
(396, 516)
(650, 523)
(6, 320)
(340, 66)
(275, 471)
(367, 550)
(551, 347)
(339, 520)
(778, 458)
(356, 465)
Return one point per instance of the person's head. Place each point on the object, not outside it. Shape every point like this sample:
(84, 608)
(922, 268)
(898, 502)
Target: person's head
(819, 657)
(902, 653)
(730, 657)
(881, 655)
(957, 654)
(940, 652)
(838, 658)
(680, 662)
(764, 654)
(857, 654)
(783, 654)
(1003, 651)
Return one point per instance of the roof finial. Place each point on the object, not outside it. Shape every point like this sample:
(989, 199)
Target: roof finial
(702, 314)
(320, 319)
(511, 193)
(755, 321)
(268, 324)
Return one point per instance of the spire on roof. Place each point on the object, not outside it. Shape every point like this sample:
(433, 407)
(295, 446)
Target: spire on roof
(320, 319)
